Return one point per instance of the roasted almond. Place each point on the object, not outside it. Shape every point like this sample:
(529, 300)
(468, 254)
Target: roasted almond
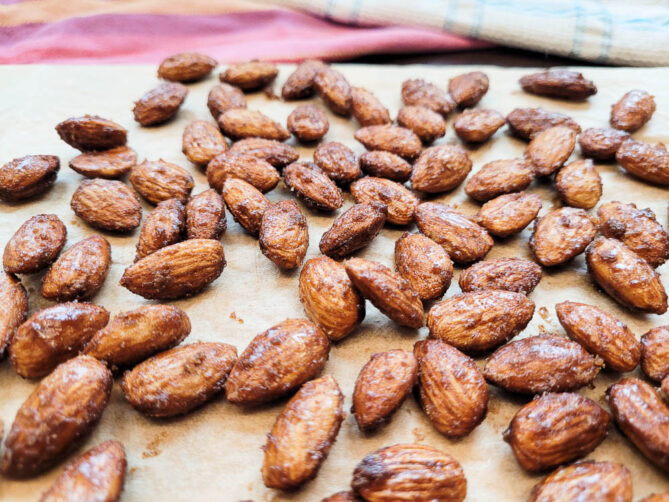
(645, 161)
(202, 141)
(313, 186)
(440, 169)
(632, 111)
(80, 271)
(303, 434)
(665, 386)
(508, 274)
(526, 122)
(232, 164)
(62, 409)
(401, 202)
(468, 89)
(163, 227)
(54, 335)
(308, 123)
(579, 184)
(382, 385)
(655, 353)
(385, 165)
(559, 83)
(354, 229)
(550, 148)
(158, 180)
(337, 161)
(205, 216)
(186, 67)
(109, 164)
(240, 123)
(478, 125)
(107, 205)
(246, 204)
(561, 234)
(300, 83)
(349, 496)
(14, 301)
(543, 363)
(284, 234)
(276, 153)
(35, 245)
(428, 125)
(28, 176)
(424, 265)
(223, 97)
(453, 392)
(176, 271)
(160, 104)
(277, 362)
(367, 109)
(499, 177)
(601, 144)
(625, 276)
(418, 92)
(388, 291)
(250, 75)
(334, 89)
(390, 138)
(91, 132)
(509, 214)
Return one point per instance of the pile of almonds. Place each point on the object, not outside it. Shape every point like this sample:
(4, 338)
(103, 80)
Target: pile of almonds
(77, 350)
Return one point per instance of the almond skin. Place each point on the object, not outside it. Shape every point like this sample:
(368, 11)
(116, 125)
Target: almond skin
(158, 180)
(276, 153)
(401, 202)
(308, 123)
(543, 363)
(382, 385)
(561, 234)
(424, 265)
(388, 291)
(468, 89)
(409, 472)
(453, 392)
(418, 92)
(186, 67)
(250, 75)
(643, 417)
(35, 245)
(300, 83)
(134, 335)
(337, 161)
(390, 138)
(427, 124)
(354, 229)
(284, 234)
(559, 83)
(205, 216)
(28, 177)
(579, 184)
(62, 409)
(258, 172)
(163, 227)
(461, 238)
(80, 271)
(160, 104)
(108, 164)
(14, 310)
(54, 335)
(509, 214)
(645, 161)
(601, 144)
(550, 148)
(367, 109)
(638, 229)
(625, 276)
(586, 481)
(508, 274)
(655, 353)
(526, 122)
(477, 125)
(202, 141)
(440, 169)
(98, 474)
(107, 204)
(240, 123)
(277, 362)
(329, 297)
(632, 111)
(334, 90)
(223, 97)
(91, 132)
(246, 204)
(555, 429)
(179, 380)
(312, 186)
(176, 271)
(499, 177)
(385, 165)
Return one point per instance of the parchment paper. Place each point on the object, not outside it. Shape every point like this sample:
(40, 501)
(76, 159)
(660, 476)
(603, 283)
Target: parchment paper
(215, 452)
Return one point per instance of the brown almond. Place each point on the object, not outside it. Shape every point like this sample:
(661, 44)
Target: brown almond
(224, 97)
(284, 234)
(527, 122)
(303, 434)
(508, 274)
(107, 204)
(354, 229)
(14, 300)
(440, 169)
(313, 186)
(632, 111)
(276, 153)
(655, 353)
(337, 161)
(80, 271)
(665, 386)
(329, 297)
(349, 496)
(109, 164)
(579, 184)
(477, 125)
(277, 362)
(35, 245)
(559, 83)
(428, 125)
(240, 123)
(158, 180)
(390, 138)
(499, 177)
(418, 92)
(205, 216)
(543, 363)
(160, 104)
(509, 214)
(28, 176)
(561, 234)
(250, 75)
(550, 148)
(202, 141)
(401, 202)
(163, 227)
(91, 132)
(334, 90)
(300, 83)
(656, 497)
(468, 89)
(424, 265)
(54, 335)
(385, 165)
(232, 164)
(186, 67)
(246, 204)
(308, 123)
(367, 109)
(601, 144)
(381, 387)
(645, 161)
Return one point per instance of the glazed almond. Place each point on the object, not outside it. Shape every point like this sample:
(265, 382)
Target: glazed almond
(158, 180)
(28, 176)
(550, 148)
(223, 97)
(527, 122)
(509, 214)
(559, 83)
(632, 111)
(163, 227)
(477, 125)
(334, 90)
(337, 161)
(499, 177)
(508, 274)
(300, 83)
(390, 138)
(91, 132)
(428, 125)
(312, 186)
(655, 353)
(205, 216)
(202, 141)
(367, 109)
(579, 184)
(561, 234)
(468, 89)
(645, 161)
(354, 229)
(232, 164)
(601, 144)
(274, 152)
(418, 92)
(186, 67)
(440, 169)
(160, 104)
(250, 75)
(284, 234)
(308, 123)
(246, 203)
(240, 123)
(35, 245)
(13, 309)
(108, 164)
(385, 165)
(424, 265)
(107, 204)
(401, 202)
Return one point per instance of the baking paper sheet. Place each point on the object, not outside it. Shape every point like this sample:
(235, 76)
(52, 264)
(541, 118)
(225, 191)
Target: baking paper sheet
(214, 453)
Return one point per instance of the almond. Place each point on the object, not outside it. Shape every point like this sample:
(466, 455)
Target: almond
(418, 92)
(468, 89)
(134, 335)
(250, 75)
(440, 169)
(312, 186)
(367, 109)
(645, 161)
(638, 229)
(660, 497)
(300, 83)
(499, 177)
(354, 229)
(390, 138)
(461, 238)
(665, 386)
(205, 216)
(54, 335)
(109, 164)
(550, 148)
(186, 67)
(14, 311)
(308, 123)
(329, 297)
(428, 125)
(655, 353)
(202, 141)
(632, 111)
(625, 276)
(643, 417)
(240, 123)
(526, 122)
(453, 392)
(107, 204)
(401, 202)
(80, 271)
(555, 429)
(28, 177)
(224, 97)
(477, 125)
(559, 83)
(163, 227)
(246, 204)
(179, 380)
(160, 104)
(303, 434)
(232, 164)
(176, 271)
(388, 291)
(334, 89)
(276, 153)
(35, 245)
(277, 362)
(284, 234)
(98, 474)
(561, 234)
(509, 214)
(62, 409)
(382, 385)
(579, 184)
(543, 363)
(601, 144)
(385, 165)
(158, 180)
(424, 265)
(349, 496)
(508, 274)
(337, 161)
(91, 132)
(409, 472)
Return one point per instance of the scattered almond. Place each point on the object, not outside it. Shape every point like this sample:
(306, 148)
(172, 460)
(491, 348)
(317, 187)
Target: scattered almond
(509, 214)
(337, 161)
(159, 180)
(276, 153)
(28, 177)
(468, 89)
(477, 125)
(579, 184)
(284, 234)
(107, 204)
(499, 177)
(601, 144)
(202, 141)
(367, 109)
(561, 234)
(632, 111)
(655, 353)
(526, 122)
(385, 165)
(224, 97)
(163, 227)
(390, 138)
(645, 161)
(559, 83)
(160, 104)
(35, 245)
(508, 274)
(205, 216)
(109, 164)
(246, 203)
(186, 67)
(354, 229)
(91, 132)
(428, 125)
(300, 83)
(418, 92)
(233, 164)
(250, 75)
(440, 169)
(550, 148)
(240, 123)
(401, 202)
(334, 89)
(313, 186)
(308, 123)
(424, 265)
(14, 311)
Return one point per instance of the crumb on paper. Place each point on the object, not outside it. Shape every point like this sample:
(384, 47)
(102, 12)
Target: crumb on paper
(418, 436)
(153, 447)
(543, 312)
(234, 317)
